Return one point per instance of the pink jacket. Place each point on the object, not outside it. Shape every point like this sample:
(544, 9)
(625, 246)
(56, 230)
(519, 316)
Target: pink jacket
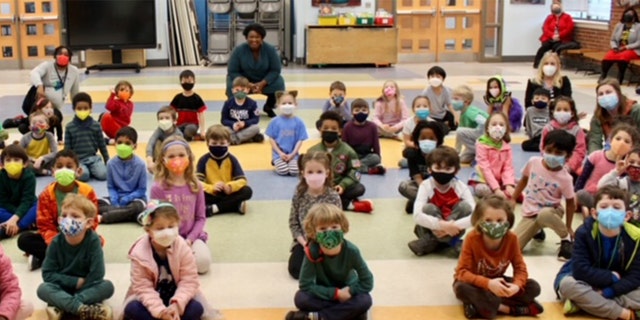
(393, 118)
(495, 167)
(144, 276)
(9, 288)
(579, 153)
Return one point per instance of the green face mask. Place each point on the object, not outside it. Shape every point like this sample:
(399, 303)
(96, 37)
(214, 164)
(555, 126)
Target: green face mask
(495, 230)
(240, 95)
(65, 176)
(330, 239)
(124, 150)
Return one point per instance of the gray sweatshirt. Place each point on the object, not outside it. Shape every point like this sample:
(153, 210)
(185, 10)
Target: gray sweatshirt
(52, 79)
(535, 119)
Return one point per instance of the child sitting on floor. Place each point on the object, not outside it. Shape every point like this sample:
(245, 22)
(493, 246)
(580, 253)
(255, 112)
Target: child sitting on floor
(167, 118)
(390, 111)
(40, 144)
(240, 114)
(487, 252)
(190, 108)
(472, 120)
(224, 182)
(362, 136)
(287, 132)
(535, 119)
(17, 193)
(626, 176)
(334, 281)
(12, 306)
(120, 108)
(337, 101)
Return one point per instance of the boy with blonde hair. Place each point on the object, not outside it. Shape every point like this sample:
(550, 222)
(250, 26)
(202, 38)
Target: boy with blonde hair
(472, 120)
(73, 269)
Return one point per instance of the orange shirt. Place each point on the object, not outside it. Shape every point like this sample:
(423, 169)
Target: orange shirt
(478, 264)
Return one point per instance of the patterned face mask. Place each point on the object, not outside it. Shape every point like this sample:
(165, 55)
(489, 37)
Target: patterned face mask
(330, 238)
(71, 227)
(494, 230)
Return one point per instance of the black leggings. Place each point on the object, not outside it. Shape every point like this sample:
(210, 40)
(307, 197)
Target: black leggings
(33, 244)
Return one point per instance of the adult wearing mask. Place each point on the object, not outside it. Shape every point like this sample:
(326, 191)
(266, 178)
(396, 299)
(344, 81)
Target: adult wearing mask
(557, 33)
(611, 107)
(548, 76)
(259, 62)
(625, 45)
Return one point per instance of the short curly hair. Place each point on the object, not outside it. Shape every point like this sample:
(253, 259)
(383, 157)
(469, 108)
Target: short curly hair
(258, 28)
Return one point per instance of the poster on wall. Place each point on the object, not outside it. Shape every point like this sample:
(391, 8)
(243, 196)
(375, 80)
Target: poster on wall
(527, 1)
(344, 3)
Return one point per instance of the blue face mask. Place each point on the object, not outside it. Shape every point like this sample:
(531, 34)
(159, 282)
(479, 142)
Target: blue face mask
(457, 105)
(338, 100)
(611, 218)
(426, 146)
(554, 161)
(608, 101)
(423, 114)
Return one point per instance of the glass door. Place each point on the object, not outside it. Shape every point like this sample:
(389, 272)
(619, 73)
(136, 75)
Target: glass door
(491, 31)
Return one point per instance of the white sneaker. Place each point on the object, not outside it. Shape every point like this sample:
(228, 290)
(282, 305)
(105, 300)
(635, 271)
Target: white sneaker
(53, 313)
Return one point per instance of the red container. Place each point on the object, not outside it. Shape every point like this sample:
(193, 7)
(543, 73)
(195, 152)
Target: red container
(384, 21)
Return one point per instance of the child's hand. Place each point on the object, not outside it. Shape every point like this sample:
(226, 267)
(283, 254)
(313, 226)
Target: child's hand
(449, 227)
(344, 294)
(500, 193)
(386, 127)
(11, 226)
(174, 311)
(38, 163)
(509, 190)
(80, 283)
(621, 165)
(513, 289)
(339, 189)
(286, 157)
(219, 186)
(237, 126)
(497, 286)
(151, 166)
(227, 189)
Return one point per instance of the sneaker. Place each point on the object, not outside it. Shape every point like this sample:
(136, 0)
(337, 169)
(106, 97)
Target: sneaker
(34, 263)
(566, 247)
(540, 236)
(269, 112)
(377, 170)
(533, 309)
(242, 209)
(96, 311)
(296, 315)
(408, 207)
(53, 313)
(198, 137)
(258, 138)
(139, 218)
(569, 307)
(469, 311)
(364, 206)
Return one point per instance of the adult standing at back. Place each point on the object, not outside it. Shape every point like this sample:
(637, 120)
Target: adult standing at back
(625, 44)
(548, 76)
(259, 62)
(557, 33)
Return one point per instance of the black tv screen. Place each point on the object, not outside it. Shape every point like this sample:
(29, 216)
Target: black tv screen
(110, 24)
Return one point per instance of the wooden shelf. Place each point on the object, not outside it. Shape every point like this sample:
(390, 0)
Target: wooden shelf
(351, 45)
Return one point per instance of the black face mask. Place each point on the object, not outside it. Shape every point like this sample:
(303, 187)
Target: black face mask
(540, 104)
(628, 18)
(556, 11)
(329, 136)
(442, 177)
(218, 151)
(187, 86)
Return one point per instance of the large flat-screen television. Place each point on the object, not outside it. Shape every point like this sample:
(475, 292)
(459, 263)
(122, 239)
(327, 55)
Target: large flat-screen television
(110, 24)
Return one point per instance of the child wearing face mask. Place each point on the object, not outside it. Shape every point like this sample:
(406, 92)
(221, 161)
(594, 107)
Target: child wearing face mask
(66, 169)
(240, 114)
(626, 176)
(440, 98)
(13, 305)
(73, 269)
(390, 111)
(426, 136)
(362, 136)
(599, 163)
(472, 120)
(315, 186)
(420, 107)
(602, 278)
(564, 116)
(126, 181)
(535, 119)
(17, 192)
(164, 275)
(488, 250)
(84, 137)
(190, 108)
(176, 182)
(335, 281)
(545, 182)
(54, 117)
(287, 132)
(443, 205)
(498, 99)
(224, 182)
(120, 109)
(344, 164)
(494, 173)
(167, 118)
(40, 144)
(338, 102)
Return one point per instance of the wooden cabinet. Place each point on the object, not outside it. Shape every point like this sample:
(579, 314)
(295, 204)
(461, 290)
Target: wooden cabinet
(351, 45)
(98, 57)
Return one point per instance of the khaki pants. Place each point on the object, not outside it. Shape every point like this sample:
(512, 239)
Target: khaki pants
(546, 218)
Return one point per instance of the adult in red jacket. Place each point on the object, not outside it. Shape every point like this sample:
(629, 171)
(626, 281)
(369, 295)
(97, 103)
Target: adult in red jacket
(557, 33)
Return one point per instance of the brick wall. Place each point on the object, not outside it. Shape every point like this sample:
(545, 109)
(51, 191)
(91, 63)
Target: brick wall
(599, 39)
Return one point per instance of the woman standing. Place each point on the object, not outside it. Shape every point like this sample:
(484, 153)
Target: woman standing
(548, 77)
(259, 62)
(625, 44)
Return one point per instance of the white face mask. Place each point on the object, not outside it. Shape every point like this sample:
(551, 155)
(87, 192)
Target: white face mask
(165, 124)
(435, 81)
(287, 108)
(165, 237)
(494, 92)
(497, 132)
(562, 117)
(549, 70)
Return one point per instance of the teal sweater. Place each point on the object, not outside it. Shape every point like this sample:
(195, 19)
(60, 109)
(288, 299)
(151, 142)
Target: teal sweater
(344, 163)
(18, 196)
(267, 67)
(64, 263)
(85, 138)
(323, 278)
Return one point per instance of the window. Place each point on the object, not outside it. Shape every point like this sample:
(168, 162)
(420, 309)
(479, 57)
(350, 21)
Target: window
(592, 10)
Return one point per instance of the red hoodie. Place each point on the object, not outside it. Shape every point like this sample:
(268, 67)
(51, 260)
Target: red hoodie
(564, 23)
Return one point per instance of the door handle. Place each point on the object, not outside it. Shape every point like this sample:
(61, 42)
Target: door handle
(431, 12)
(445, 12)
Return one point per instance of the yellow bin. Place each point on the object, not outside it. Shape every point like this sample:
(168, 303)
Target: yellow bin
(347, 21)
(327, 20)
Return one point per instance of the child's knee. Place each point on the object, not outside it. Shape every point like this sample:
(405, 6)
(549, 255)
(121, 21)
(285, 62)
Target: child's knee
(463, 209)
(431, 210)
(566, 286)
